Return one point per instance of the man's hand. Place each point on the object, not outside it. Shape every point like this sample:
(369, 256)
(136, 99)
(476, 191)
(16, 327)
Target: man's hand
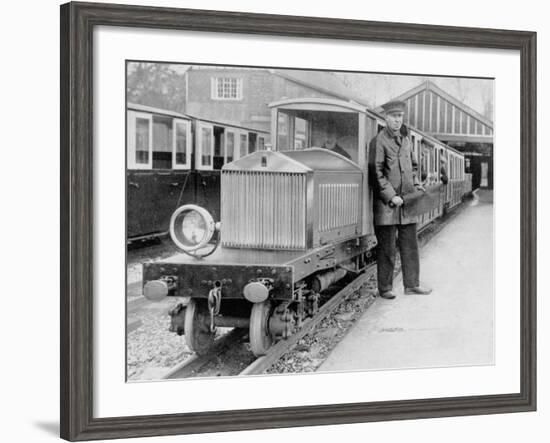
(397, 201)
(421, 188)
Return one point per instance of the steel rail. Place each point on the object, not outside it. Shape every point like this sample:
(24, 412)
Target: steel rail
(194, 363)
(280, 348)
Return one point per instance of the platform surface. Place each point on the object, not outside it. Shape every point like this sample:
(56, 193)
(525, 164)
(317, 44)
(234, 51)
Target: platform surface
(452, 326)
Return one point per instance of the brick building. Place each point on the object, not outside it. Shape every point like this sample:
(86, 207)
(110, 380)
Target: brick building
(241, 95)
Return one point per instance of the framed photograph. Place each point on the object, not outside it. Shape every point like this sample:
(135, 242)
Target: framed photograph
(232, 186)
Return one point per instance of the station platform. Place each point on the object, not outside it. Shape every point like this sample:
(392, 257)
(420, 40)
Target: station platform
(452, 326)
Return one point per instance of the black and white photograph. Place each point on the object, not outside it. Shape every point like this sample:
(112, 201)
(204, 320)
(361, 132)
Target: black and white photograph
(291, 221)
(243, 222)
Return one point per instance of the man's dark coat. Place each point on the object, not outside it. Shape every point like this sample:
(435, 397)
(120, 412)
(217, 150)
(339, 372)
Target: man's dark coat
(393, 171)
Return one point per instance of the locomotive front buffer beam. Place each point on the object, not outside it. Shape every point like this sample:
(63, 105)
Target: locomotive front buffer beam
(254, 283)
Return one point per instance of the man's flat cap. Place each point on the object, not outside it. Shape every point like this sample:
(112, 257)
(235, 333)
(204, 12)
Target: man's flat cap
(394, 106)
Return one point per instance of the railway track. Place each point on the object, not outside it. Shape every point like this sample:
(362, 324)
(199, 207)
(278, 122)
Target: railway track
(195, 365)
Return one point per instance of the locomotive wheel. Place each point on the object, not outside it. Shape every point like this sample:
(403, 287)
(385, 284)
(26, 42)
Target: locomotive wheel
(197, 333)
(260, 337)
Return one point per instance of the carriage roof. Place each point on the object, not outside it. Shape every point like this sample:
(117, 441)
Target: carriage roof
(174, 114)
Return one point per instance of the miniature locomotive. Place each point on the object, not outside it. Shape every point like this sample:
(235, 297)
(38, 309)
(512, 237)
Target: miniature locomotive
(293, 221)
(292, 225)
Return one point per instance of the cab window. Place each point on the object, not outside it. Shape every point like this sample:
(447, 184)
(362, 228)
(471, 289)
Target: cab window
(282, 131)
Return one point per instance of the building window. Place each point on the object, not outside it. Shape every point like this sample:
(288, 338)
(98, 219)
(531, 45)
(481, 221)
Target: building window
(227, 88)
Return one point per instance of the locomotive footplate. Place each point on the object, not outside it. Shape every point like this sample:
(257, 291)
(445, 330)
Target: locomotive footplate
(198, 279)
(233, 269)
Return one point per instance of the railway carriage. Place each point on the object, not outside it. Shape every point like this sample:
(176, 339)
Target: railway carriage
(294, 219)
(175, 159)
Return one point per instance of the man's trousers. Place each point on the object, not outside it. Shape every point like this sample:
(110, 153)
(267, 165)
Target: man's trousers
(391, 237)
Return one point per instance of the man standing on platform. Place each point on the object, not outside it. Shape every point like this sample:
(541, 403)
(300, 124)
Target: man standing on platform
(395, 174)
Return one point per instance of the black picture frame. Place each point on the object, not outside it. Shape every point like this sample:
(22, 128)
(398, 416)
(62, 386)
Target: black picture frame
(77, 23)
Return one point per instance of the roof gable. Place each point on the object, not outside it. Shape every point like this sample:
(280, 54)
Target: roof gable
(430, 86)
(431, 109)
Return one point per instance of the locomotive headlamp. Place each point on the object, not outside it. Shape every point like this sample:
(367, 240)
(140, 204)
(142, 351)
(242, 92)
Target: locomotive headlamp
(191, 227)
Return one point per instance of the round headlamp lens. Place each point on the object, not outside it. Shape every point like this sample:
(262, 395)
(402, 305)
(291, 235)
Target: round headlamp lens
(193, 227)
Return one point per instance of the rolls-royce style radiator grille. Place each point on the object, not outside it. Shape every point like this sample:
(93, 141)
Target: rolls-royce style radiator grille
(339, 205)
(263, 209)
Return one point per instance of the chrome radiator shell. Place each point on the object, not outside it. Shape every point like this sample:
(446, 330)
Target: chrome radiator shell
(265, 210)
(290, 200)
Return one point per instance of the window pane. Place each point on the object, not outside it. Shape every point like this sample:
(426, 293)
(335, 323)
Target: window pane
(282, 131)
(244, 143)
(229, 146)
(424, 163)
(228, 88)
(261, 143)
(142, 140)
(181, 143)
(162, 144)
(162, 136)
(300, 133)
(206, 147)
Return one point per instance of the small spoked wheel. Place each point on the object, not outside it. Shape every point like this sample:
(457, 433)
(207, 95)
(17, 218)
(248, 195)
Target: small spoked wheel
(260, 337)
(198, 336)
